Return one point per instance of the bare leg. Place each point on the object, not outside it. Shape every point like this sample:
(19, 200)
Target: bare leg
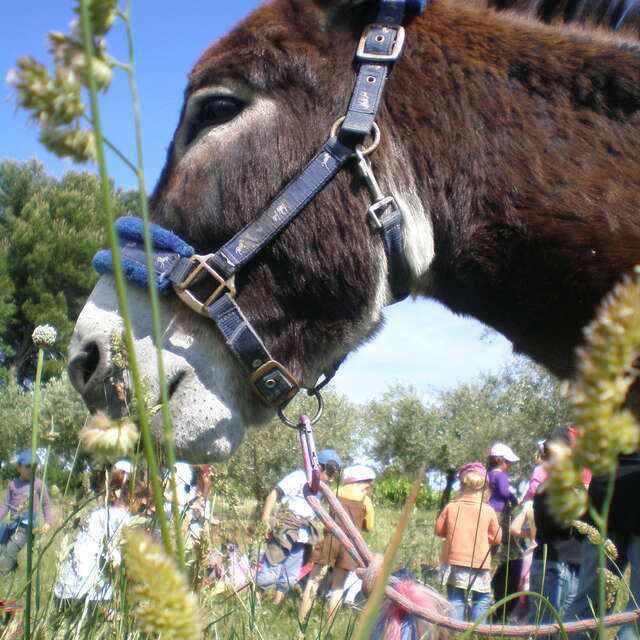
(310, 590)
(278, 598)
(337, 591)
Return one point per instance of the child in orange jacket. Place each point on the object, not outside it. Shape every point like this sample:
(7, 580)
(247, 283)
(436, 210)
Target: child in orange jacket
(469, 527)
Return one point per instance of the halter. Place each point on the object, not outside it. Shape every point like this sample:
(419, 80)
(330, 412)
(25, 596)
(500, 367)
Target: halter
(178, 269)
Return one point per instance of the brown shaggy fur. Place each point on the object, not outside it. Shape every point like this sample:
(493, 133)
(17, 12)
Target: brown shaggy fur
(523, 139)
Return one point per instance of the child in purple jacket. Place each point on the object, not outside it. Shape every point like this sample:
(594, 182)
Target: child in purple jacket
(16, 504)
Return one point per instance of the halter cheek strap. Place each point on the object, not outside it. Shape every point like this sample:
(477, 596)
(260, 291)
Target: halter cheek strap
(177, 268)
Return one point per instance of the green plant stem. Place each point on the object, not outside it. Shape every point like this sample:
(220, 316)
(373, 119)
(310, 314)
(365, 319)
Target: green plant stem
(601, 520)
(120, 155)
(35, 417)
(145, 432)
(368, 619)
(153, 296)
(38, 563)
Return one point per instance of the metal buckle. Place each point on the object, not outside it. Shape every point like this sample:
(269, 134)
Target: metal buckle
(372, 211)
(265, 369)
(190, 300)
(395, 52)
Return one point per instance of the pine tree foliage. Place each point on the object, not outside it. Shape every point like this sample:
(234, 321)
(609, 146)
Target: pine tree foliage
(49, 230)
(62, 414)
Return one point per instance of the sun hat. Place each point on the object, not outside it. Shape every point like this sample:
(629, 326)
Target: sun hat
(123, 465)
(478, 467)
(24, 458)
(502, 450)
(358, 473)
(327, 456)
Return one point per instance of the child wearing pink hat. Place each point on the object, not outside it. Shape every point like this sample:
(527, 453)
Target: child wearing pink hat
(469, 526)
(354, 494)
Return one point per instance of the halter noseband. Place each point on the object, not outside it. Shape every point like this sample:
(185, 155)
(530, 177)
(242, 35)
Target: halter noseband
(177, 268)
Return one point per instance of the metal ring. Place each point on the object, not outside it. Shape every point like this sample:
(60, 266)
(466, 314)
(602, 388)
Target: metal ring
(316, 417)
(375, 129)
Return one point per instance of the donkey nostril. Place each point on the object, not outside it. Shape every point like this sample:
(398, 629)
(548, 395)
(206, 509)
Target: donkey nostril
(90, 362)
(84, 364)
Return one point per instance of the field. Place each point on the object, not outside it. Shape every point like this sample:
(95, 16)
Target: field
(225, 615)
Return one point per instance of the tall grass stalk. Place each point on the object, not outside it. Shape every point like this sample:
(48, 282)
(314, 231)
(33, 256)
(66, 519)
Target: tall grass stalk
(35, 431)
(153, 293)
(368, 619)
(601, 520)
(143, 420)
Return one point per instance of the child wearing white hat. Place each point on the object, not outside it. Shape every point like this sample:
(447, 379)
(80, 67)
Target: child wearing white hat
(354, 494)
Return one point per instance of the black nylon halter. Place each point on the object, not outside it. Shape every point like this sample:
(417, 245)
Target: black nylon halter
(379, 47)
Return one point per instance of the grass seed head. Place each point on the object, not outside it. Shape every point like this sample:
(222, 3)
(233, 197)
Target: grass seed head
(567, 495)
(107, 438)
(44, 336)
(163, 602)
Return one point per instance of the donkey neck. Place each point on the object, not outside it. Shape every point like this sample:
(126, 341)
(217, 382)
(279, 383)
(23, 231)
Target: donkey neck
(519, 133)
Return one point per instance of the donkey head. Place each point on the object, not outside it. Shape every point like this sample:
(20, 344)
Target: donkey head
(258, 105)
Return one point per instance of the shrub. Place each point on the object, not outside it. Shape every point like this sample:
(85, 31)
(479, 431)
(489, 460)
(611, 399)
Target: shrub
(392, 489)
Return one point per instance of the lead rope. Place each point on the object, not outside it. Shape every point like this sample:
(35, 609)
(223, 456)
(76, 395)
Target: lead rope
(403, 593)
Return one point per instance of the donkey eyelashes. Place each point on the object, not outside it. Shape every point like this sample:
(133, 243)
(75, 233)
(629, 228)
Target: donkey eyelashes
(212, 111)
(218, 110)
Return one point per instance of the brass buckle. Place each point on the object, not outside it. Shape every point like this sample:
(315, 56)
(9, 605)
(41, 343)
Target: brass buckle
(182, 289)
(395, 52)
(263, 370)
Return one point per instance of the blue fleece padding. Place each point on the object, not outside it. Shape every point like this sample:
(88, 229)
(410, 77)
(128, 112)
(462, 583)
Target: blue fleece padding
(167, 247)
(134, 272)
(131, 228)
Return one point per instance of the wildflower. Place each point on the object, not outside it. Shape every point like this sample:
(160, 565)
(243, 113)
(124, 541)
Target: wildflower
(594, 537)
(567, 495)
(605, 373)
(44, 336)
(102, 16)
(68, 53)
(107, 438)
(50, 436)
(118, 349)
(611, 585)
(54, 100)
(163, 603)
(77, 144)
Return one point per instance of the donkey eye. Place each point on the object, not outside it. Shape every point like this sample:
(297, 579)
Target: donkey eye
(218, 110)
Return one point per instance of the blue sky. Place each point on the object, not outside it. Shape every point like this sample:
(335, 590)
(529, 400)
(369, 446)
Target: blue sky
(422, 344)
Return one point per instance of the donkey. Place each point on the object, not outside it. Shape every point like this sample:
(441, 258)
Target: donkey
(510, 145)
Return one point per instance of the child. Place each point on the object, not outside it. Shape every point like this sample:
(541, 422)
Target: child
(354, 494)
(17, 505)
(469, 526)
(292, 531)
(82, 574)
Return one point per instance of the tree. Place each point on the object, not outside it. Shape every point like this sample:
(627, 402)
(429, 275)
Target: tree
(403, 429)
(269, 452)
(49, 231)
(519, 405)
(62, 414)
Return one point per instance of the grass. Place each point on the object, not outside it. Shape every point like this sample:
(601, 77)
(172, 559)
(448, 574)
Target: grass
(225, 615)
